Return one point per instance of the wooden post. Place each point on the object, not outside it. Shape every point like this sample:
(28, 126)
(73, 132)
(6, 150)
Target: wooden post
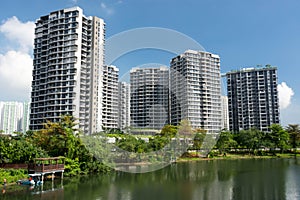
(42, 178)
(52, 180)
(34, 166)
(42, 186)
(61, 178)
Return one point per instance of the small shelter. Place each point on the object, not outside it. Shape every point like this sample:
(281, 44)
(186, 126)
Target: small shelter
(43, 166)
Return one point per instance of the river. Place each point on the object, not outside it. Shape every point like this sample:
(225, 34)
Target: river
(255, 179)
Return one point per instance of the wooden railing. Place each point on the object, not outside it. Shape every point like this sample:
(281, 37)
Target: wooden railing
(45, 167)
(13, 166)
(40, 165)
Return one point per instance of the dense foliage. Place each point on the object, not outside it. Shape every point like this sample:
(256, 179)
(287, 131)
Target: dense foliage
(12, 175)
(254, 141)
(56, 139)
(62, 139)
(19, 150)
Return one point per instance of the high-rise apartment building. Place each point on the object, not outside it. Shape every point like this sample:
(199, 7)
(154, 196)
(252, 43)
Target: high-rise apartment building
(149, 99)
(252, 98)
(124, 106)
(225, 114)
(109, 105)
(195, 82)
(68, 61)
(14, 117)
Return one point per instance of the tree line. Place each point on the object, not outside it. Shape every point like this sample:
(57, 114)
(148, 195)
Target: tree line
(63, 139)
(278, 139)
(54, 140)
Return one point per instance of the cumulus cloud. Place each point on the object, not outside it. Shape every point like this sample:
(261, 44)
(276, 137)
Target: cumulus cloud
(285, 94)
(22, 34)
(16, 64)
(15, 75)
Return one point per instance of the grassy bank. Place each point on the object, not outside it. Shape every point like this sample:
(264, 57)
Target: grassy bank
(231, 156)
(12, 175)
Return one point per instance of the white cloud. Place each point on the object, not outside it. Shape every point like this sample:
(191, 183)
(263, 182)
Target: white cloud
(108, 10)
(285, 94)
(16, 64)
(15, 75)
(103, 5)
(291, 114)
(19, 33)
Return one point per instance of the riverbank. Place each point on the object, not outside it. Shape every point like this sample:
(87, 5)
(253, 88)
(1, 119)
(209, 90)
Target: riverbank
(231, 156)
(219, 179)
(12, 175)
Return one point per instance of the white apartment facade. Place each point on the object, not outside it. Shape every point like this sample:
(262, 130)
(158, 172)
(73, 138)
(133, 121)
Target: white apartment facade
(124, 106)
(225, 114)
(195, 83)
(149, 99)
(110, 104)
(68, 61)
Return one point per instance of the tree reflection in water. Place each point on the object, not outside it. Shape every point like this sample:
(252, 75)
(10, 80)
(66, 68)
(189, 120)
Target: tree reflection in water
(211, 179)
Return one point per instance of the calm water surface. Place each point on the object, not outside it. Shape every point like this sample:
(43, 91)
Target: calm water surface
(218, 179)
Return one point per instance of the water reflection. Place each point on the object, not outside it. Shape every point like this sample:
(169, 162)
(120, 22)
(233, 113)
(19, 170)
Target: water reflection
(293, 180)
(219, 179)
(50, 190)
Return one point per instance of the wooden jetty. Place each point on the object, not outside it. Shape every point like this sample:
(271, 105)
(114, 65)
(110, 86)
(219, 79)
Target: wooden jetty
(47, 166)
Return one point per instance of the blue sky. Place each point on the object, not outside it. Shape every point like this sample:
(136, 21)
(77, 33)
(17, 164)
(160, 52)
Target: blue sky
(244, 33)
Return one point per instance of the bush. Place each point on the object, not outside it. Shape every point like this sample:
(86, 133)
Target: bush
(12, 175)
(72, 167)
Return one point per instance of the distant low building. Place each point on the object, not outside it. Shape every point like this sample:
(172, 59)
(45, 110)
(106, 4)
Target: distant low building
(14, 117)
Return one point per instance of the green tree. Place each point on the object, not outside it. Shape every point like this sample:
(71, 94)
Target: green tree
(128, 143)
(185, 129)
(294, 133)
(198, 140)
(157, 143)
(59, 138)
(19, 150)
(208, 144)
(251, 139)
(94, 153)
(168, 131)
(278, 137)
(225, 142)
